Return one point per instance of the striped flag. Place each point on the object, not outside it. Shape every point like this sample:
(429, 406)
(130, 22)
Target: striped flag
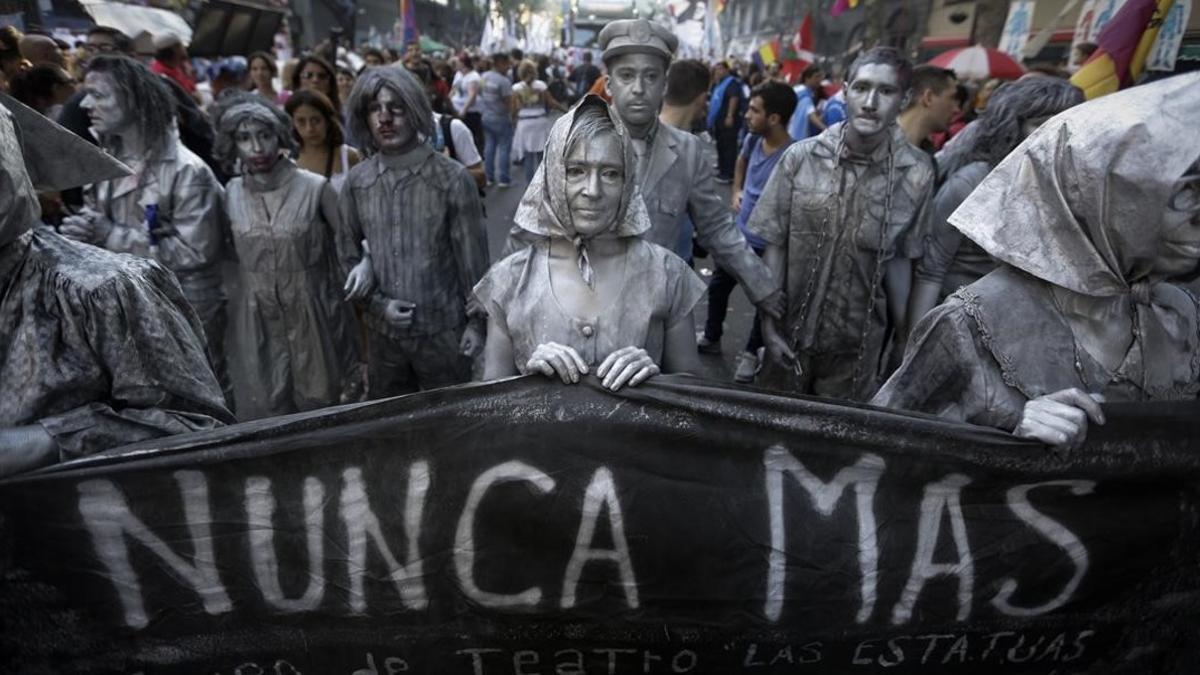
(408, 15)
(841, 6)
(769, 52)
(1124, 43)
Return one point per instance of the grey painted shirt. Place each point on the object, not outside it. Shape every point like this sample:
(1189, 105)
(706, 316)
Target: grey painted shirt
(421, 216)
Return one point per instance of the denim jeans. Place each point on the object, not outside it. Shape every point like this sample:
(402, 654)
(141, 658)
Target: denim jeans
(719, 288)
(497, 140)
(530, 161)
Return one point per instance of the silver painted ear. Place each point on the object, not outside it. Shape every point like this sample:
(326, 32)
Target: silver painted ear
(55, 158)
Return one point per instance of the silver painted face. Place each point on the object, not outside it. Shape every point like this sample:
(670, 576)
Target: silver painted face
(1179, 252)
(595, 181)
(637, 83)
(257, 146)
(103, 105)
(873, 99)
(387, 118)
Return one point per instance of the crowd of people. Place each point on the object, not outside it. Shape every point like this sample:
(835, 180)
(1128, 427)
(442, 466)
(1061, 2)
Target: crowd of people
(1010, 257)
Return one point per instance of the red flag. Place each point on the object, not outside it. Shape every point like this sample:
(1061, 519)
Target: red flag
(802, 41)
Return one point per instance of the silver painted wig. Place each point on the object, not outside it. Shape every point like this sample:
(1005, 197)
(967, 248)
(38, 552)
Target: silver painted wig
(367, 87)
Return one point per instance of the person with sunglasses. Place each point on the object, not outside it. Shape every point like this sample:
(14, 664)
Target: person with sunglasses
(1096, 219)
(314, 72)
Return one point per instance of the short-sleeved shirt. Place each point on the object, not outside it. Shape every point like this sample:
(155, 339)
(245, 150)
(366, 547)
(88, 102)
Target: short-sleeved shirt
(759, 166)
(460, 136)
(493, 90)
(799, 128)
(828, 214)
(659, 290)
(835, 110)
(461, 91)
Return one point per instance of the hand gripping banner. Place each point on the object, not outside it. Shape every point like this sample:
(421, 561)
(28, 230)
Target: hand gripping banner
(526, 527)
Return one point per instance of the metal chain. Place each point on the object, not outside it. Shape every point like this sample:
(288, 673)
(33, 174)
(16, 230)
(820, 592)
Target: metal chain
(822, 235)
(877, 278)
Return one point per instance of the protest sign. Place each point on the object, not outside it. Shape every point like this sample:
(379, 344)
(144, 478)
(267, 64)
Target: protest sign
(527, 526)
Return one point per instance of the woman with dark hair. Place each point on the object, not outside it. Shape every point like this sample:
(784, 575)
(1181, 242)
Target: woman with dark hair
(345, 81)
(591, 295)
(318, 131)
(295, 329)
(1015, 111)
(263, 71)
(44, 87)
(315, 73)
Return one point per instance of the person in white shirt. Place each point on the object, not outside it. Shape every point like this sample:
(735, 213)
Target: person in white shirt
(532, 101)
(463, 92)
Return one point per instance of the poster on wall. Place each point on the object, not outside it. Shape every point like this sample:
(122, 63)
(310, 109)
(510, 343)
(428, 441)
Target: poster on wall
(1092, 18)
(1170, 37)
(1017, 27)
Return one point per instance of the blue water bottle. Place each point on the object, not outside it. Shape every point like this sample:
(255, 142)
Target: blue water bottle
(152, 228)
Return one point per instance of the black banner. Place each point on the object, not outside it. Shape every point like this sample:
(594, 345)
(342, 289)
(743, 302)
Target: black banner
(526, 527)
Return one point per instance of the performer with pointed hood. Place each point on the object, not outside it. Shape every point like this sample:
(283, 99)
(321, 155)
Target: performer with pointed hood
(96, 349)
(294, 327)
(170, 209)
(1092, 216)
(591, 294)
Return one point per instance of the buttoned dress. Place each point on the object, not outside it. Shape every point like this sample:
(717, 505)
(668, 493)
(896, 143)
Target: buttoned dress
(293, 328)
(658, 291)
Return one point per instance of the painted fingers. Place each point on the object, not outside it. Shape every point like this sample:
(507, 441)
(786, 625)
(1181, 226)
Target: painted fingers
(629, 365)
(360, 280)
(1060, 419)
(552, 359)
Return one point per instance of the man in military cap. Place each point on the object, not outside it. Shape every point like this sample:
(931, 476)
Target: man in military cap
(676, 177)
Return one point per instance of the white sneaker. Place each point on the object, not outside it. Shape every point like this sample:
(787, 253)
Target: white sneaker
(503, 184)
(706, 346)
(748, 366)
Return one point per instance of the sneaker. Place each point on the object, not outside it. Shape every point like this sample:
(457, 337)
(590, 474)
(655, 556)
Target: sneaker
(503, 184)
(748, 366)
(706, 346)
(490, 183)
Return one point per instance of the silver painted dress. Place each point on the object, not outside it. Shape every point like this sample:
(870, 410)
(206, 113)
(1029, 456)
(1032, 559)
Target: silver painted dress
(292, 327)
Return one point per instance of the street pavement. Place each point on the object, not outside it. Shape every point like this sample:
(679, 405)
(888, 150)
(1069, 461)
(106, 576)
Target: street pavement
(501, 204)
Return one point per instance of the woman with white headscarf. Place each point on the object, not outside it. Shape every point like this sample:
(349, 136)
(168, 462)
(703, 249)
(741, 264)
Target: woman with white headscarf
(1092, 216)
(591, 293)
